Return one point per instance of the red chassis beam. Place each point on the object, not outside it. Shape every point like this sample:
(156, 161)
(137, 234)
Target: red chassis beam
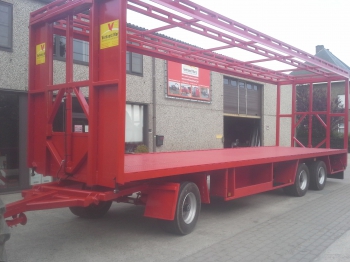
(160, 199)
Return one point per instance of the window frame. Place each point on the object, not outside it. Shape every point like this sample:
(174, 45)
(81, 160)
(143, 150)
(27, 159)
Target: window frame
(131, 146)
(10, 48)
(129, 71)
(58, 57)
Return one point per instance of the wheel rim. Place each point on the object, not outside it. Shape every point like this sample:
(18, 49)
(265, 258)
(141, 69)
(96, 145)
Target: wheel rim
(321, 175)
(303, 180)
(189, 207)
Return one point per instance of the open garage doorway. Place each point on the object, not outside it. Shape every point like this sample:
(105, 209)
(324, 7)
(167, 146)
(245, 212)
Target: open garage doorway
(241, 132)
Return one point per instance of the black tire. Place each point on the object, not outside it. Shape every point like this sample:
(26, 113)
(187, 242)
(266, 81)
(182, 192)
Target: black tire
(318, 175)
(301, 183)
(187, 210)
(93, 211)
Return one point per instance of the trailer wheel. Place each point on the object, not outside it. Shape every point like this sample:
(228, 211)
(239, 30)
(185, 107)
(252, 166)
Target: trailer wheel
(92, 211)
(318, 175)
(301, 183)
(187, 210)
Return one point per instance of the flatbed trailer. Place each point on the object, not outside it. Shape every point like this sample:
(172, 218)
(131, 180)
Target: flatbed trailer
(92, 169)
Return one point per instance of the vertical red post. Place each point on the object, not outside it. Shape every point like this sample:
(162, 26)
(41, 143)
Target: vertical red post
(68, 130)
(69, 49)
(107, 93)
(346, 116)
(310, 114)
(49, 95)
(278, 114)
(294, 99)
(93, 102)
(69, 106)
(328, 115)
(40, 75)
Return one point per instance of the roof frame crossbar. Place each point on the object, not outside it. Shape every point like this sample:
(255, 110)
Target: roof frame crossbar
(196, 11)
(316, 69)
(58, 10)
(190, 25)
(192, 54)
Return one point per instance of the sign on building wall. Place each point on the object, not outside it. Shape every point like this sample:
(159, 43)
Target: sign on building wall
(188, 82)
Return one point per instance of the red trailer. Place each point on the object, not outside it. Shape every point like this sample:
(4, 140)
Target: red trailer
(92, 170)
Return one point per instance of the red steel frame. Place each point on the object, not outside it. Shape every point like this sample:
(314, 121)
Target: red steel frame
(92, 167)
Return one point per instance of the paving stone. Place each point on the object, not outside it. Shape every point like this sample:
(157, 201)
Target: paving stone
(297, 235)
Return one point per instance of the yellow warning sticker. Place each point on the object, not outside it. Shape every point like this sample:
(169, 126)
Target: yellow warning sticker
(109, 34)
(40, 54)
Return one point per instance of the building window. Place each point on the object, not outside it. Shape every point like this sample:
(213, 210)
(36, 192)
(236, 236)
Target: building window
(134, 63)
(6, 21)
(80, 50)
(134, 123)
(135, 127)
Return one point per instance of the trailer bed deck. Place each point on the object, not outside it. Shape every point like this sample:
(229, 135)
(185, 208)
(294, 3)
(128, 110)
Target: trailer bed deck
(153, 165)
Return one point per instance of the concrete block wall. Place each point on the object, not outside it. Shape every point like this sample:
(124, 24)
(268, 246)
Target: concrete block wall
(14, 65)
(189, 125)
(286, 122)
(186, 125)
(269, 115)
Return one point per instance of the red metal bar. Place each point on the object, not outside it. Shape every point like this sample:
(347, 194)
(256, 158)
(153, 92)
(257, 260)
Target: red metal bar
(147, 32)
(56, 105)
(46, 8)
(321, 113)
(312, 79)
(209, 32)
(203, 14)
(68, 132)
(263, 60)
(93, 102)
(346, 117)
(78, 164)
(278, 115)
(58, 10)
(310, 113)
(293, 126)
(183, 49)
(301, 119)
(321, 143)
(106, 161)
(329, 102)
(69, 49)
(172, 50)
(208, 50)
(54, 152)
(82, 101)
(76, 34)
(144, 8)
(321, 120)
(298, 142)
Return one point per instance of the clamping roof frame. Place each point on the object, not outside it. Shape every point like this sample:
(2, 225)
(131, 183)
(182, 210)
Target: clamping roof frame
(148, 42)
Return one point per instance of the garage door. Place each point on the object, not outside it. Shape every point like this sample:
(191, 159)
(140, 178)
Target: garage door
(242, 98)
